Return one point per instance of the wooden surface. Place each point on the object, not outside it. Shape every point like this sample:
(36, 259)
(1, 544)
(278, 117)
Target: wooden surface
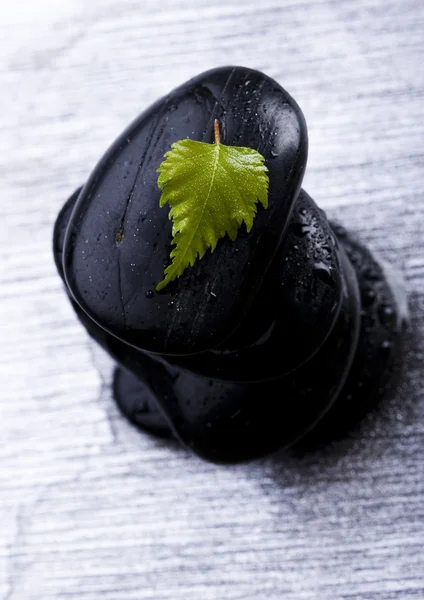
(91, 509)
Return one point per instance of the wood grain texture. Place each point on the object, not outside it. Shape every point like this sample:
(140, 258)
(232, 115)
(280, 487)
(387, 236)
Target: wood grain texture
(88, 507)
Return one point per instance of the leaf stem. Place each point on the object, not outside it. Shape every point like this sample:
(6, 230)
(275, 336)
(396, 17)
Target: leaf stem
(217, 132)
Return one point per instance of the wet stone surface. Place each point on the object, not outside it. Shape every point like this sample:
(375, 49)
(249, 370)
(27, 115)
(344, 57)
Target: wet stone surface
(249, 349)
(118, 239)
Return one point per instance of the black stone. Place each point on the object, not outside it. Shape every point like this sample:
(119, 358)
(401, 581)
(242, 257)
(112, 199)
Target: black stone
(118, 239)
(290, 326)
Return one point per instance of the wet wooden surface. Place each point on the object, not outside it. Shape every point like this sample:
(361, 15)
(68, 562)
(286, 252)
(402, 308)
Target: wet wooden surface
(89, 508)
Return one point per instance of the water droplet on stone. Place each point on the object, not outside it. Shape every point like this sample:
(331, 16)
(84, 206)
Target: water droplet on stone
(386, 346)
(149, 294)
(300, 229)
(368, 297)
(386, 313)
(323, 272)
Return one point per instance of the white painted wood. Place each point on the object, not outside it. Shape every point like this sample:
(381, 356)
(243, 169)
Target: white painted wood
(89, 508)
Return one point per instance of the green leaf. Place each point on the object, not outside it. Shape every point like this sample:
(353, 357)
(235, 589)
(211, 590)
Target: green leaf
(211, 189)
